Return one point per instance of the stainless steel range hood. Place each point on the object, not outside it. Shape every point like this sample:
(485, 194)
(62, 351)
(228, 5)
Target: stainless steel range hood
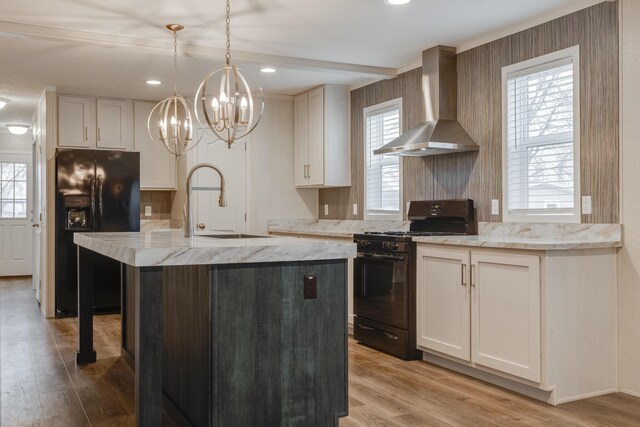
(440, 132)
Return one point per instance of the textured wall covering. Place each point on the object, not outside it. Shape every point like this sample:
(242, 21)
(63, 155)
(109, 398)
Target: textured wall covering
(160, 202)
(478, 175)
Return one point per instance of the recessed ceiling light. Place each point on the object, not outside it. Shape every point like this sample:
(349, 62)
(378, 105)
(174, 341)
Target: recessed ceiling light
(154, 82)
(3, 102)
(268, 70)
(18, 129)
(396, 2)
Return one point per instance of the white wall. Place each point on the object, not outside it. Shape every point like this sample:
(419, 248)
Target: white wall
(15, 143)
(271, 181)
(272, 191)
(629, 256)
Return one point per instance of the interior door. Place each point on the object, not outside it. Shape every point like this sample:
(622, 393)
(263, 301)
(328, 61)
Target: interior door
(36, 212)
(15, 226)
(205, 185)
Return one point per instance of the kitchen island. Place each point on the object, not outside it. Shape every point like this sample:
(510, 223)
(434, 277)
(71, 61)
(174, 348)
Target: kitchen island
(242, 330)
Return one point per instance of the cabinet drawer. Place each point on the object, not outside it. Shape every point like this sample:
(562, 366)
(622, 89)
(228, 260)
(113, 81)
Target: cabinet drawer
(381, 337)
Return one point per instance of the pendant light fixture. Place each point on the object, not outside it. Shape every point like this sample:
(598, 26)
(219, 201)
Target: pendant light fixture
(228, 101)
(170, 120)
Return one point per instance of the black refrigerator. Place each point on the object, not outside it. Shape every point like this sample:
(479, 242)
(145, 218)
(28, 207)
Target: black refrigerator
(96, 191)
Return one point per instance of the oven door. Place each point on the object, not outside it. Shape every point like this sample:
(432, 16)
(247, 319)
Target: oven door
(381, 288)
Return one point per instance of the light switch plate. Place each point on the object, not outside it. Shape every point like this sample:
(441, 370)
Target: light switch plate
(326, 209)
(495, 207)
(355, 209)
(147, 211)
(587, 208)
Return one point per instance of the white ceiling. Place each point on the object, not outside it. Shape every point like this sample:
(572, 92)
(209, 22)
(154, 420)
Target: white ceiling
(111, 48)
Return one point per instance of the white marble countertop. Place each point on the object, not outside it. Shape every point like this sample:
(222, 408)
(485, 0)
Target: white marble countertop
(510, 242)
(531, 236)
(170, 247)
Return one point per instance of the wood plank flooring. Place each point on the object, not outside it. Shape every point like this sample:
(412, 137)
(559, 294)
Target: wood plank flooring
(40, 384)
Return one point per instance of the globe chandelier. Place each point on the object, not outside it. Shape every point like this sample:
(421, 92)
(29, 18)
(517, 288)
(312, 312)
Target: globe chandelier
(228, 101)
(170, 120)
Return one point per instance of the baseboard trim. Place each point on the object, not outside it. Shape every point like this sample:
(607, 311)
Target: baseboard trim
(629, 392)
(585, 396)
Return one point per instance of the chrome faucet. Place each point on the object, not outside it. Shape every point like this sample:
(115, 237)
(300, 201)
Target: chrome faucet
(188, 220)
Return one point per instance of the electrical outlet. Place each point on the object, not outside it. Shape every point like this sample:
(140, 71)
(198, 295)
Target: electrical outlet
(586, 205)
(355, 209)
(495, 207)
(147, 211)
(326, 209)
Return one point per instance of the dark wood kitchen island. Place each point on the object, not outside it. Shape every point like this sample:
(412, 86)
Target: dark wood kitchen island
(228, 332)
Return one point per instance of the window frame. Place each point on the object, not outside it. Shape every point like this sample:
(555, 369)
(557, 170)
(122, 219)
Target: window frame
(370, 215)
(16, 158)
(569, 55)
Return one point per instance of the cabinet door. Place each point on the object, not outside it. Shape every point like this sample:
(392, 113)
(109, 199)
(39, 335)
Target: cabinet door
(75, 127)
(505, 311)
(315, 170)
(301, 125)
(443, 301)
(157, 165)
(113, 124)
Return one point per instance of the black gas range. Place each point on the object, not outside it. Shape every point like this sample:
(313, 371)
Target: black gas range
(385, 274)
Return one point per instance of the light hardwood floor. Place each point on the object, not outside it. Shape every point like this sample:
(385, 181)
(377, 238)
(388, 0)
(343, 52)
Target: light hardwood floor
(40, 384)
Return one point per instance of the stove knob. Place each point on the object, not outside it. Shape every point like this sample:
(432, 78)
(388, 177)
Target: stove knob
(395, 246)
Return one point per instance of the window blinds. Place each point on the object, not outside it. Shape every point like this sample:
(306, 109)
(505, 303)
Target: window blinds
(540, 139)
(382, 173)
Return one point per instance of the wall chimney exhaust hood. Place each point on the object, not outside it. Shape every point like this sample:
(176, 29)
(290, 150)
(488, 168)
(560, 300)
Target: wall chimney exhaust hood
(440, 132)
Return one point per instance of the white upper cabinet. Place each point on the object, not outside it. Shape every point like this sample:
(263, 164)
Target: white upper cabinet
(157, 165)
(75, 126)
(85, 122)
(323, 154)
(113, 124)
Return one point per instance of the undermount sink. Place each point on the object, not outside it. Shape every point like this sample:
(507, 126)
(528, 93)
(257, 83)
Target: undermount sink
(233, 236)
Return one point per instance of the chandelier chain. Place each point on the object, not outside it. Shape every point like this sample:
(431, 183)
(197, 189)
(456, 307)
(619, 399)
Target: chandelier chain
(228, 56)
(175, 62)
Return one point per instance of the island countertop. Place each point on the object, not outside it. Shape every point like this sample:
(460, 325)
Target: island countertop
(170, 247)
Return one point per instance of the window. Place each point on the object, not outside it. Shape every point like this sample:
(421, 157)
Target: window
(13, 190)
(382, 173)
(541, 150)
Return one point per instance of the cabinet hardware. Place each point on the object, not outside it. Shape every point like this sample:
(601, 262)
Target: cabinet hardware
(309, 171)
(472, 275)
(86, 133)
(464, 273)
(201, 226)
(98, 134)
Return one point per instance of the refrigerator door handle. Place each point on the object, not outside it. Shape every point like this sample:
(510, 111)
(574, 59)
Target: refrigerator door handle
(100, 181)
(92, 185)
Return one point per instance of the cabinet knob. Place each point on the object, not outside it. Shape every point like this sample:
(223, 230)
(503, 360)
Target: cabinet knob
(201, 226)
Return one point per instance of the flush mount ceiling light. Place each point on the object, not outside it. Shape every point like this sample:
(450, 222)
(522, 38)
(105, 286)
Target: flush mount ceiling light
(18, 129)
(4, 102)
(170, 119)
(228, 101)
(268, 70)
(154, 82)
(396, 2)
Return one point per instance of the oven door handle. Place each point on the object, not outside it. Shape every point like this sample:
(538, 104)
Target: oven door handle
(380, 256)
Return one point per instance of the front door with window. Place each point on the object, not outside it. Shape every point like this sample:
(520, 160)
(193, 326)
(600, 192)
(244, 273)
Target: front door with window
(15, 229)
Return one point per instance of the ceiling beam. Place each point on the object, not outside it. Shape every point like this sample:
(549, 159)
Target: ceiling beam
(18, 30)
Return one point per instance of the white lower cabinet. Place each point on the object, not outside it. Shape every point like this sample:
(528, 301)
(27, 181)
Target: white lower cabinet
(480, 307)
(541, 323)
